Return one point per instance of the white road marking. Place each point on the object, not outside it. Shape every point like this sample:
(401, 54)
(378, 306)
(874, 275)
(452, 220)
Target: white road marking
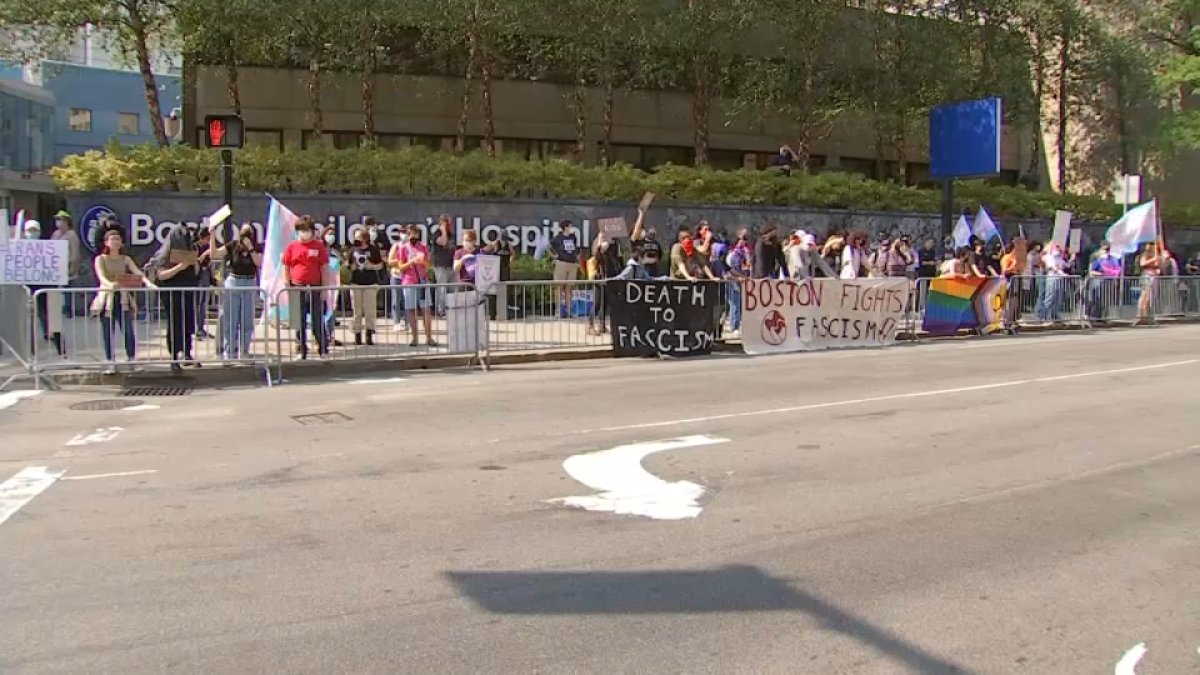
(140, 408)
(10, 398)
(375, 380)
(628, 489)
(97, 436)
(1128, 662)
(23, 487)
(892, 397)
(118, 474)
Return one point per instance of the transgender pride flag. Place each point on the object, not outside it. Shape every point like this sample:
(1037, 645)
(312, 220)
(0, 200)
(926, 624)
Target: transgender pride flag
(281, 229)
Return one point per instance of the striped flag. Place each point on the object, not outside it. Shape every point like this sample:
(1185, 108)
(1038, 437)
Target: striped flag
(281, 224)
(962, 233)
(984, 228)
(1138, 226)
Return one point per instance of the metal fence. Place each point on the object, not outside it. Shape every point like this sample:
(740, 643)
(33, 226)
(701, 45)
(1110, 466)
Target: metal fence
(185, 328)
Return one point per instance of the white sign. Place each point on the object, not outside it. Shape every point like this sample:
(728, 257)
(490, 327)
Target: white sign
(466, 322)
(34, 262)
(487, 273)
(1128, 189)
(219, 216)
(626, 488)
(1062, 227)
(785, 316)
(1076, 240)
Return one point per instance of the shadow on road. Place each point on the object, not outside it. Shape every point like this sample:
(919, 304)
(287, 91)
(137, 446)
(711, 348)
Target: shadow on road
(738, 588)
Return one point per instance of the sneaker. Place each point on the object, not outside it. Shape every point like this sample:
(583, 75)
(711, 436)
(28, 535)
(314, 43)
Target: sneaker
(431, 342)
(413, 342)
(175, 367)
(111, 370)
(325, 356)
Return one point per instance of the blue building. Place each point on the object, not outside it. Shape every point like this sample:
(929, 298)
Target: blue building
(26, 147)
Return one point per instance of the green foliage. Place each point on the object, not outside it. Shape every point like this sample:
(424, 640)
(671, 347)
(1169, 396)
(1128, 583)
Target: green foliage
(420, 172)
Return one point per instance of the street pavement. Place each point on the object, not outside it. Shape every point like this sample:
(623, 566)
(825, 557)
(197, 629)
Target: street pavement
(1004, 505)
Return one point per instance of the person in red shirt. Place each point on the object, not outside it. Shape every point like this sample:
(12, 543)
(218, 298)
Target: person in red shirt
(304, 260)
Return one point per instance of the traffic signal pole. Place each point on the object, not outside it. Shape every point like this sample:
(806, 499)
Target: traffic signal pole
(227, 193)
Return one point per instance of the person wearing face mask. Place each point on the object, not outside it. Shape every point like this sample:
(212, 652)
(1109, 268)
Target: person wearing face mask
(411, 261)
(464, 258)
(304, 262)
(739, 263)
(604, 263)
(377, 235)
(334, 276)
(366, 261)
(1104, 274)
(854, 256)
(441, 250)
(1055, 268)
(687, 262)
(114, 304)
(243, 260)
(177, 271)
(645, 241)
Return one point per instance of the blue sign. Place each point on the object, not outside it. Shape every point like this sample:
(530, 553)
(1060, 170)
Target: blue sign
(964, 139)
(89, 226)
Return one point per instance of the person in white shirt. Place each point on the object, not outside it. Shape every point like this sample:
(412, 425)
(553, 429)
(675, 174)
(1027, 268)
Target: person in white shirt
(1055, 270)
(853, 255)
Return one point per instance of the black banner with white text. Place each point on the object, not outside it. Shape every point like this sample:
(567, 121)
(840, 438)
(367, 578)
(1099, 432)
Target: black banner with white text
(675, 318)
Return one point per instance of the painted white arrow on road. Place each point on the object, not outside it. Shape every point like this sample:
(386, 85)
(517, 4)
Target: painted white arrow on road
(1130, 660)
(628, 489)
(97, 436)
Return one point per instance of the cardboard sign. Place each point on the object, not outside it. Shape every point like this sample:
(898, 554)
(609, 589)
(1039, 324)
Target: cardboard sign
(34, 262)
(647, 200)
(1062, 227)
(675, 318)
(487, 273)
(1076, 240)
(182, 256)
(129, 281)
(785, 316)
(613, 228)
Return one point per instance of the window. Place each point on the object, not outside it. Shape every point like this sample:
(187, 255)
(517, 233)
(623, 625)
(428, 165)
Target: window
(128, 124)
(81, 119)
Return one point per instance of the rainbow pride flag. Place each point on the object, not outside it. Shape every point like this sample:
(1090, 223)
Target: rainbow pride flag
(961, 304)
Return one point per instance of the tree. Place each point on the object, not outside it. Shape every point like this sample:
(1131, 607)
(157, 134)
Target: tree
(136, 28)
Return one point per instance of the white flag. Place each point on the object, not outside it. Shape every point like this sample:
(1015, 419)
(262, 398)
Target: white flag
(984, 228)
(962, 233)
(1138, 226)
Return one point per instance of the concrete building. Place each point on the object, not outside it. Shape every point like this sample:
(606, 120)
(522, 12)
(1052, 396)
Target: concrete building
(26, 147)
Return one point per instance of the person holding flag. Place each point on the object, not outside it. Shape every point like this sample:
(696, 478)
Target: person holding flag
(1152, 262)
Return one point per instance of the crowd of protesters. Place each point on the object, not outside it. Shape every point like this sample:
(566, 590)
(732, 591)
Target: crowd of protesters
(416, 272)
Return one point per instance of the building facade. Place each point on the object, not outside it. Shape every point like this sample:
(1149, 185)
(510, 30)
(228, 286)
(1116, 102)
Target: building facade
(26, 147)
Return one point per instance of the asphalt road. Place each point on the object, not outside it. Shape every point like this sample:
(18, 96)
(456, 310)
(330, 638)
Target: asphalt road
(990, 506)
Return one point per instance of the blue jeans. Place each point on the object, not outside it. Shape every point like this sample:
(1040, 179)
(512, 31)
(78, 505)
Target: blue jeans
(734, 291)
(397, 302)
(238, 324)
(125, 320)
(1048, 302)
(312, 309)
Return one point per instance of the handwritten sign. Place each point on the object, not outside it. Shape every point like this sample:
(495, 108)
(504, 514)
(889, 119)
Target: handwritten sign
(785, 316)
(1062, 227)
(1076, 240)
(647, 200)
(487, 273)
(613, 228)
(34, 262)
(675, 318)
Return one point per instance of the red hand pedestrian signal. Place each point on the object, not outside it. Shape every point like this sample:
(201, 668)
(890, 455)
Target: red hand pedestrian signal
(223, 131)
(216, 133)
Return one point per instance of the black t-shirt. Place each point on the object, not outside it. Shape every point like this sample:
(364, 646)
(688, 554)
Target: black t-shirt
(927, 267)
(240, 262)
(442, 256)
(361, 256)
(565, 247)
(644, 246)
(504, 250)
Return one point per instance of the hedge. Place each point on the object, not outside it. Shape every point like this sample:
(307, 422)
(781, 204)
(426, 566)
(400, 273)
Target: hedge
(421, 172)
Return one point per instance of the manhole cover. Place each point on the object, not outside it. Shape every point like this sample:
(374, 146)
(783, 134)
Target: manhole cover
(321, 418)
(107, 404)
(156, 390)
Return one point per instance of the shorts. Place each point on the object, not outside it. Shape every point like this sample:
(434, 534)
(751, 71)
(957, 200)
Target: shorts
(417, 297)
(565, 271)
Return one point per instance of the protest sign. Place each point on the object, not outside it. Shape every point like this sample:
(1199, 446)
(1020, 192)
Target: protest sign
(487, 273)
(34, 262)
(974, 303)
(675, 318)
(1076, 240)
(1062, 227)
(647, 200)
(613, 228)
(787, 316)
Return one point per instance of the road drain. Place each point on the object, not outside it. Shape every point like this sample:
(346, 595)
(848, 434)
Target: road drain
(156, 390)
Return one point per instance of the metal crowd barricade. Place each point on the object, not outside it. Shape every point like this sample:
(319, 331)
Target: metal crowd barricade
(16, 331)
(155, 329)
(375, 323)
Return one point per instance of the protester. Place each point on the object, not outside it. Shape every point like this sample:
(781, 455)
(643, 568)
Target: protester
(832, 250)
(441, 249)
(636, 268)
(854, 255)
(498, 299)
(928, 259)
(1104, 274)
(304, 262)
(366, 261)
(243, 260)
(739, 266)
(564, 249)
(803, 258)
(687, 262)
(957, 267)
(1151, 263)
(768, 259)
(32, 229)
(333, 277)
(1053, 263)
(204, 278)
(464, 258)
(604, 263)
(115, 305)
(645, 241)
(176, 271)
(64, 230)
(891, 260)
(412, 262)
(1012, 266)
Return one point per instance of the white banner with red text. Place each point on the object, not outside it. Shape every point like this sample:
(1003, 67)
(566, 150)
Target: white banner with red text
(790, 316)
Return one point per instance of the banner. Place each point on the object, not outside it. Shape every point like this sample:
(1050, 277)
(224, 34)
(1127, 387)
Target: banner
(786, 316)
(964, 304)
(34, 262)
(487, 273)
(613, 228)
(675, 318)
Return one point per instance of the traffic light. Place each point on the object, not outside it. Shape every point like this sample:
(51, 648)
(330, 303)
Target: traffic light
(223, 131)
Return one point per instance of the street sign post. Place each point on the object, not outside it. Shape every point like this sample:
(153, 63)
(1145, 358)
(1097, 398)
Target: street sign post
(226, 132)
